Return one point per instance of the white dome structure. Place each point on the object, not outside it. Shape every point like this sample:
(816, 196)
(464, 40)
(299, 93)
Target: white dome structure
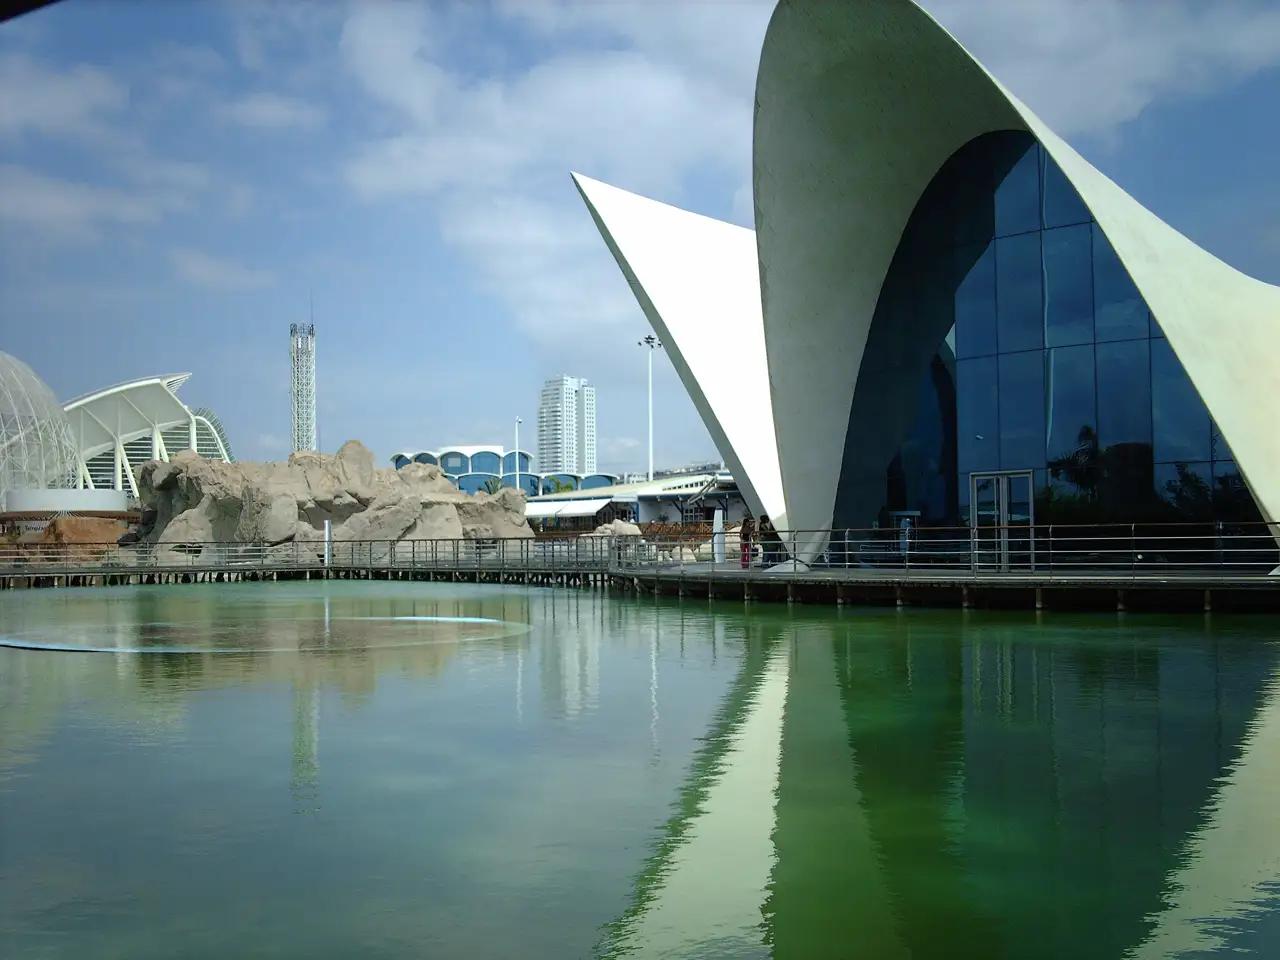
(37, 448)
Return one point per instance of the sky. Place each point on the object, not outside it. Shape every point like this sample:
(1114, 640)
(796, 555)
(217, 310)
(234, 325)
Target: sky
(181, 181)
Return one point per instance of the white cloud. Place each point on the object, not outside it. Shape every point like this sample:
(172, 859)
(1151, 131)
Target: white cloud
(204, 270)
(65, 210)
(271, 111)
(44, 100)
(1088, 66)
(494, 154)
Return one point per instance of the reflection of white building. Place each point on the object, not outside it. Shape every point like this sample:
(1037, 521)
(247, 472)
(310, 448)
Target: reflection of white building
(122, 427)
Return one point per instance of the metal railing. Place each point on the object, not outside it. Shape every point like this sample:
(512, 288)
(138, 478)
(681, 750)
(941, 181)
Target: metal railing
(1046, 551)
(570, 555)
(1203, 550)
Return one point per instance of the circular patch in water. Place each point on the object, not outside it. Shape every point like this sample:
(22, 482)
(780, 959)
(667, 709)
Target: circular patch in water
(248, 635)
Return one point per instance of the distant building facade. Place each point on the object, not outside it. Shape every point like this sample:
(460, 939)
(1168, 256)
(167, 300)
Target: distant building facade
(567, 426)
(488, 467)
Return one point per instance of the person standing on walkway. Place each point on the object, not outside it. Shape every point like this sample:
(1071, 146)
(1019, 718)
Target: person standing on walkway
(767, 535)
(745, 534)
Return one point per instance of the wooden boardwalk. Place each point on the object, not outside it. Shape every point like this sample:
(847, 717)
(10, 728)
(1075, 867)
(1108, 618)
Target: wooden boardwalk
(1182, 591)
(954, 587)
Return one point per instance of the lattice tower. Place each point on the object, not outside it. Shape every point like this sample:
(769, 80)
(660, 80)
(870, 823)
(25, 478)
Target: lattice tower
(302, 353)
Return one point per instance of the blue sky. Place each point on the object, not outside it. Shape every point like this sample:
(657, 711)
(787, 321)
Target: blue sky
(179, 179)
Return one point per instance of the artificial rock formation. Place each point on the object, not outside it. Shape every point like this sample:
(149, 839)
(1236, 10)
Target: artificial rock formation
(191, 502)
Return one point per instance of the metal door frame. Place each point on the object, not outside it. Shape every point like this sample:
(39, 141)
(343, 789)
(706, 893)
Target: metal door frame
(1002, 480)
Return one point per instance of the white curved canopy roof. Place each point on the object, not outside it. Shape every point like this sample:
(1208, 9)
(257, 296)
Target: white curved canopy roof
(859, 103)
(126, 411)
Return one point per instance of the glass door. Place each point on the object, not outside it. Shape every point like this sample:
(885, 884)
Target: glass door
(1002, 521)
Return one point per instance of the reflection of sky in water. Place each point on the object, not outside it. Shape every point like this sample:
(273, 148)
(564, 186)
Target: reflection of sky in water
(660, 779)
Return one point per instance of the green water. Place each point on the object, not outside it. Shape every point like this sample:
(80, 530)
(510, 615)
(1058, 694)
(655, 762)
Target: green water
(349, 770)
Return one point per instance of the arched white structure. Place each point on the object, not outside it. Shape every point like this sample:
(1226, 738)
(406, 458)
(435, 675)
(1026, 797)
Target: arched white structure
(122, 427)
(859, 103)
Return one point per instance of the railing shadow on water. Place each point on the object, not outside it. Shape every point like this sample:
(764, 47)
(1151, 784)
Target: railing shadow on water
(1203, 551)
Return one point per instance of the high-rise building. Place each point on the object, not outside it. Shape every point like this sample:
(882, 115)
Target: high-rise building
(567, 426)
(302, 357)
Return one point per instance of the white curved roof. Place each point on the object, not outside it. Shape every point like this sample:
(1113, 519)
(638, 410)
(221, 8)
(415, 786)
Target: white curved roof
(126, 411)
(859, 103)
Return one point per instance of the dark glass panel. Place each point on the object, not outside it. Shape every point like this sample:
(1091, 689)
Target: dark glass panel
(1187, 490)
(1232, 501)
(1068, 279)
(1218, 447)
(1062, 205)
(1180, 422)
(969, 182)
(1124, 393)
(1018, 190)
(1120, 313)
(977, 416)
(1072, 421)
(1021, 410)
(975, 301)
(1019, 293)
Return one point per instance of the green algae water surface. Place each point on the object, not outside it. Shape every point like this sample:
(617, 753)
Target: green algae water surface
(388, 770)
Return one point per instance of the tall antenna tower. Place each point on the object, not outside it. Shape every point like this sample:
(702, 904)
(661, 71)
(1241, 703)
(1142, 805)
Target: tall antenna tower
(302, 352)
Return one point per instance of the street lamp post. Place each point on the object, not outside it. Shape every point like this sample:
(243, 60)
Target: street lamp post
(515, 459)
(653, 343)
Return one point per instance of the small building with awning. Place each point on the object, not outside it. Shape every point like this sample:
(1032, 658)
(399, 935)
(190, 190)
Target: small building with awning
(678, 500)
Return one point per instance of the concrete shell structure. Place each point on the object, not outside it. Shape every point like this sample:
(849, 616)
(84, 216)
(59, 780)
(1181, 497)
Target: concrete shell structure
(119, 428)
(859, 105)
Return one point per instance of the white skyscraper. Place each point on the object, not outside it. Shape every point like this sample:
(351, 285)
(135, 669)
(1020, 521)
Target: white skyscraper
(567, 426)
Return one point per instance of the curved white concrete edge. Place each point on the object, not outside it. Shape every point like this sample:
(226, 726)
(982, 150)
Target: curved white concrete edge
(858, 105)
(697, 281)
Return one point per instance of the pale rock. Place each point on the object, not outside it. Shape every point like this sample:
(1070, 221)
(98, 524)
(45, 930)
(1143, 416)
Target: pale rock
(615, 528)
(196, 502)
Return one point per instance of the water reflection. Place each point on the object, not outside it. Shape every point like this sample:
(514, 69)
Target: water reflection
(686, 780)
(1000, 790)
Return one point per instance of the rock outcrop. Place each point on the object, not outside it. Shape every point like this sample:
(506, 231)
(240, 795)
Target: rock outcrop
(191, 502)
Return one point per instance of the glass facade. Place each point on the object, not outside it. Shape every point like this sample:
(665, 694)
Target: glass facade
(1051, 363)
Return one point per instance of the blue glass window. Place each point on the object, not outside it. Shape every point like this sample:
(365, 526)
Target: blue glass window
(968, 176)
(1219, 448)
(455, 464)
(1124, 393)
(1187, 488)
(485, 462)
(1018, 195)
(977, 415)
(1232, 501)
(1180, 422)
(1021, 410)
(1120, 313)
(1072, 417)
(1059, 366)
(1068, 279)
(1019, 293)
(975, 301)
(1062, 205)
